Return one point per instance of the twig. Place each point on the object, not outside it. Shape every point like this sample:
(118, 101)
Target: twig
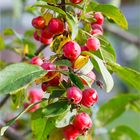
(11, 134)
(4, 100)
(124, 35)
(40, 49)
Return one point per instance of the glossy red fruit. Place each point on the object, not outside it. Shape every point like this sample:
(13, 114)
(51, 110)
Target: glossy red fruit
(36, 36)
(96, 26)
(44, 86)
(96, 32)
(92, 77)
(38, 22)
(76, 1)
(74, 95)
(33, 109)
(35, 95)
(70, 133)
(84, 48)
(46, 34)
(56, 26)
(90, 97)
(99, 18)
(36, 61)
(45, 41)
(71, 50)
(55, 81)
(48, 66)
(93, 44)
(82, 122)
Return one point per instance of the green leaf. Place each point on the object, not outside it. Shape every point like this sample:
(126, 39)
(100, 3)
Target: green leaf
(73, 24)
(76, 80)
(87, 68)
(2, 43)
(18, 97)
(54, 8)
(18, 75)
(130, 76)
(31, 45)
(107, 51)
(57, 93)
(115, 107)
(8, 32)
(63, 62)
(123, 132)
(42, 128)
(113, 13)
(65, 119)
(55, 109)
(106, 75)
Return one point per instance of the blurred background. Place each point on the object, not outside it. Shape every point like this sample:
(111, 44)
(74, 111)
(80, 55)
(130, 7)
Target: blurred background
(13, 15)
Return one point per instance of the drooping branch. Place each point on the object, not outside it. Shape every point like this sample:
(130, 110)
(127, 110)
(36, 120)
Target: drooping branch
(130, 38)
(40, 49)
(11, 134)
(4, 100)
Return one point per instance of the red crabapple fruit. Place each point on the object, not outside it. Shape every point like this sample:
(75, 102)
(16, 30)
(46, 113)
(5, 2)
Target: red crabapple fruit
(38, 22)
(48, 66)
(35, 95)
(71, 50)
(99, 18)
(36, 61)
(56, 26)
(70, 133)
(90, 97)
(93, 44)
(82, 122)
(45, 41)
(76, 1)
(46, 34)
(92, 77)
(74, 95)
(36, 36)
(96, 32)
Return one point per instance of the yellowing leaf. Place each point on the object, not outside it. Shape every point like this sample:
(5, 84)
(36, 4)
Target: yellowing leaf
(80, 61)
(58, 43)
(46, 78)
(26, 49)
(57, 134)
(47, 16)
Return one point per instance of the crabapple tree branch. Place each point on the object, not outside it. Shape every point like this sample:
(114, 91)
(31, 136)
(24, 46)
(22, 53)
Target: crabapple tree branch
(124, 35)
(3, 101)
(11, 134)
(40, 49)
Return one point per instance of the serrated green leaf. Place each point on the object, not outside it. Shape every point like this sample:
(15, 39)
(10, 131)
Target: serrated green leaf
(18, 75)
(55, 109)
(115, 107)
(113, 13)
(129, 75)
(123, 132)
(76, 80)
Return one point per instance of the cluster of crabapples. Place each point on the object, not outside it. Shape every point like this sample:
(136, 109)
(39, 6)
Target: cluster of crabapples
(71, 50)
